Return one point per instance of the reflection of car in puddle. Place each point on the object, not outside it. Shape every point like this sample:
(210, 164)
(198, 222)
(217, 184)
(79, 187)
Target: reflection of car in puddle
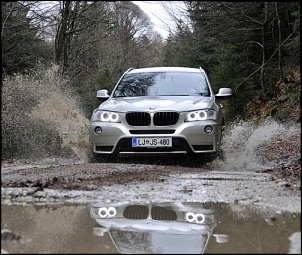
(157, 227)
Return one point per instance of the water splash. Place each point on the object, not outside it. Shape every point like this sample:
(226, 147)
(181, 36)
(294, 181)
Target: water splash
(241, 140)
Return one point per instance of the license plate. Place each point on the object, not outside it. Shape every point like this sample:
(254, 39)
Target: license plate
(152, 142)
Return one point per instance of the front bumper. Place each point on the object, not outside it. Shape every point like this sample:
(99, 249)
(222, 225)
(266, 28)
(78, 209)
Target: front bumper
(187, 138)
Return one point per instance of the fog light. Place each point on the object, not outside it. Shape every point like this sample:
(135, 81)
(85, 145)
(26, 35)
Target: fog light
(208, 129)
(98, 130)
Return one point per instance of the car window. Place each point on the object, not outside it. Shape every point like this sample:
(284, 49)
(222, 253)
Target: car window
(162, 84)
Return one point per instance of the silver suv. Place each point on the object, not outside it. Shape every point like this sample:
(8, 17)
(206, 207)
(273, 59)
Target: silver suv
(158, 110)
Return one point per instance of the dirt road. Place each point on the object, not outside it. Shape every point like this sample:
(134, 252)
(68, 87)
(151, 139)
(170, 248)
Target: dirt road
(63, 181)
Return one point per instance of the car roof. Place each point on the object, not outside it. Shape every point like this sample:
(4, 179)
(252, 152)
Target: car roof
(167, 69)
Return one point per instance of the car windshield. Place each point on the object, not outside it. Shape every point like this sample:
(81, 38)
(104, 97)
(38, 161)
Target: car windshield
(162, 84)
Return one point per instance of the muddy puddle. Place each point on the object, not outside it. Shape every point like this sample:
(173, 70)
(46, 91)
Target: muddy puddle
(169, 227)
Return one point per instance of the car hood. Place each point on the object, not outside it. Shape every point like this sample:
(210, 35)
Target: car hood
(179, 103)
(140, 242)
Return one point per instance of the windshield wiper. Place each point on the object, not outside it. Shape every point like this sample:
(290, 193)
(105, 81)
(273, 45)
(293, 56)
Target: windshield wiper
(204, 94)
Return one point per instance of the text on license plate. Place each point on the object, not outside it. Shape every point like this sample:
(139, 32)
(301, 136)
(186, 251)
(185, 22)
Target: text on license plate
(152, 142)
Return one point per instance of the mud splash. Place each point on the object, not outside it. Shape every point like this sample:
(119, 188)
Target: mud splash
(60, 108)
(241, 141)
(70, 123)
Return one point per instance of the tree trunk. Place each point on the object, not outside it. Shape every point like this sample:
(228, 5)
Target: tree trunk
(60, 41)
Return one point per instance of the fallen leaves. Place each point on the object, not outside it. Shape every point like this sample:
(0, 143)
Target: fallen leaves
(285, 157)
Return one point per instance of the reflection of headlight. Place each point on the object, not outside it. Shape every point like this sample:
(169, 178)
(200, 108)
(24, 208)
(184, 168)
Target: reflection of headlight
(106, 116)
(190, 217)
(105, 212)
(208, 114)
(198, 218)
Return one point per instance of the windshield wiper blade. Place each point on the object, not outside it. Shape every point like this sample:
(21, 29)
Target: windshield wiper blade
(204, 94)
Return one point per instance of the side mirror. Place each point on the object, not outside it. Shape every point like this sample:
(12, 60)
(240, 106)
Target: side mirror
(221, 238)
(224, 92)
(99, 231)
(102, 94)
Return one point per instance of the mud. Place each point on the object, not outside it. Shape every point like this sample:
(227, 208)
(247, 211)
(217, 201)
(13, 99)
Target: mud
(60, 181)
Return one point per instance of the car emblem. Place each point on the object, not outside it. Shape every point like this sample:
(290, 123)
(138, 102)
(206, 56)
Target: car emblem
(152, 108)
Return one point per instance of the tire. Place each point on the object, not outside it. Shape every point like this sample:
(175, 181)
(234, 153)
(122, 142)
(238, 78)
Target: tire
(220, 154)
(209, 157)
(204, 158)
(199, 158)
(103, 158)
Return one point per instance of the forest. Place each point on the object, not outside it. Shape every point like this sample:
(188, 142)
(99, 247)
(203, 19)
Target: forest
(79, 47)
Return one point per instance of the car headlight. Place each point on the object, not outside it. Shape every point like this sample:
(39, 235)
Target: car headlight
(106, 116)
(207, 114)
(106, 212)
(198, 218)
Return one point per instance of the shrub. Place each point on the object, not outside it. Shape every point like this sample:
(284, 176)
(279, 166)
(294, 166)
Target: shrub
(36, 110)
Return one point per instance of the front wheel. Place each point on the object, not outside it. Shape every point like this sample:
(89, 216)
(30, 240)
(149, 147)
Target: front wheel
(201, 158)
(209, 157)
(206, 157)
(219, 154)
(104, 158)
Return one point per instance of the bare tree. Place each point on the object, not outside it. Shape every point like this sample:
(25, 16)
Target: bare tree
(22, 44)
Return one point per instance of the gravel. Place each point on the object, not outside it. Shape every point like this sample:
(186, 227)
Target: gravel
(91, 182)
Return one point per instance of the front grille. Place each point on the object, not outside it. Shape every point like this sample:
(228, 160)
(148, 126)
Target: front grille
(162, 213)
(103, 148)
(136, 212)
(138, 118)
(159, 118)
(165, 118)
(203, 147)
(139, 212)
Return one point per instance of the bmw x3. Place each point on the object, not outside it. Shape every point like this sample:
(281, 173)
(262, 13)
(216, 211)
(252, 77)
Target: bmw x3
(158, 110)
(171, 228)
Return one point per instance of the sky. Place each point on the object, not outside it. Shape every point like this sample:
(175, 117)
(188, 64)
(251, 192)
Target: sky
(158, 15)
